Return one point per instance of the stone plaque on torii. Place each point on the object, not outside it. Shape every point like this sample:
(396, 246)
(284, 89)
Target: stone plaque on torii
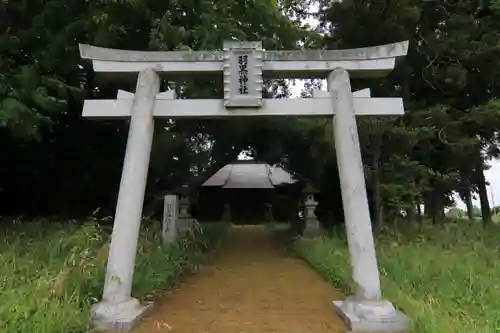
(244, 65)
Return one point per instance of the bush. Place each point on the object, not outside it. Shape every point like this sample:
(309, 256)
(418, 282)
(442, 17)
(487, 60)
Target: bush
(158, 265)
(51, 273)
(445, 278)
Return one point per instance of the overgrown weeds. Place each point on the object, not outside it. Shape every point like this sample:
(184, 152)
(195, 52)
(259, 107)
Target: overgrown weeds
(51, 272)
(446, 278)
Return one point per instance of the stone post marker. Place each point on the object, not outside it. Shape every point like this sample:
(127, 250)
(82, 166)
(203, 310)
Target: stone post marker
(170, 219)
(118, 310)
(243, 66)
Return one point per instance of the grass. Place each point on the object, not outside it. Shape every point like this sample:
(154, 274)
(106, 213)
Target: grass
(447, 278)
(51, 272)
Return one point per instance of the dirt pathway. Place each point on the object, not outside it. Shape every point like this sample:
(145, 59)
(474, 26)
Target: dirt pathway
(251, 287)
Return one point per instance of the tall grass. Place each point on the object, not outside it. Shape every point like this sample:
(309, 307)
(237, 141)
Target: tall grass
(447, 279)
(51, 273)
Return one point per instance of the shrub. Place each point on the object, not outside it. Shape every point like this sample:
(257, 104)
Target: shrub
(51, 272)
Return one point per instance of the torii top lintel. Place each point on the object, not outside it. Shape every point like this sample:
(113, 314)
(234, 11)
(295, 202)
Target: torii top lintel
(376, 61)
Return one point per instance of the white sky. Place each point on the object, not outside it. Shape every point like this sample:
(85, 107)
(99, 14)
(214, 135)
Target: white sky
(492, 175)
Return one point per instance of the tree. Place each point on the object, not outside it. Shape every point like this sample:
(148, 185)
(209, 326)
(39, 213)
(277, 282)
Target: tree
(73, 165)
(446, 79)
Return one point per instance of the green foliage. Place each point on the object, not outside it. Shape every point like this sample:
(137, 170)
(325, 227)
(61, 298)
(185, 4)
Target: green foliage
(43, 82)
(444, 278)
(441, 145)
(51, 272)
(447, 83)
(158, 266)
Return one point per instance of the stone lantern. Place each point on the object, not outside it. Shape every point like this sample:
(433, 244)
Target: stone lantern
(313, 227)
(185, 220)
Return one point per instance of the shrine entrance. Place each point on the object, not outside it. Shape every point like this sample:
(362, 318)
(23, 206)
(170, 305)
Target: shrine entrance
(253, 209)
(244, 66)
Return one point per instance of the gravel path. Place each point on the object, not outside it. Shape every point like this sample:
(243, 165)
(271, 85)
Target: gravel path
(252, 286)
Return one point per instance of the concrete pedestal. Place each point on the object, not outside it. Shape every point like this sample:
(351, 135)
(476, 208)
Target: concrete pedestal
(371, 316)
(184, 224)
(312, 229)
(119, 317)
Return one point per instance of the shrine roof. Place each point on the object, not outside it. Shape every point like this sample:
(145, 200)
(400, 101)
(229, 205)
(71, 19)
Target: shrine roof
(250, 174)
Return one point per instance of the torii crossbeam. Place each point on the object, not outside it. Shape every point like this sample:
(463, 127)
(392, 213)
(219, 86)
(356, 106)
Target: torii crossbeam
(243, 66)
(167, 106)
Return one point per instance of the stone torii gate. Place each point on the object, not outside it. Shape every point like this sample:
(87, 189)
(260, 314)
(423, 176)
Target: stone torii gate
(244, 65)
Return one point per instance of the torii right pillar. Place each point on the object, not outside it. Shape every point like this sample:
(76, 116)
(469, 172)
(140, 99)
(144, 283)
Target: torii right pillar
(365, 311)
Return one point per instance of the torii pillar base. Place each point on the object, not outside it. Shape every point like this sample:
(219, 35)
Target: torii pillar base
(371, 316)
(119, 317)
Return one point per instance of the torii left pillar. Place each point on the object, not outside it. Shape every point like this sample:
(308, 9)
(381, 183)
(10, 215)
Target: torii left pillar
(118, 310)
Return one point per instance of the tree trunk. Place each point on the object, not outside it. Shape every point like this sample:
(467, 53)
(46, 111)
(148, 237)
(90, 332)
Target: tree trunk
(411, 216)
(438, 217)
(468, 203)
(429, 205)
(434, 205)
(466, 193)
(483, 195)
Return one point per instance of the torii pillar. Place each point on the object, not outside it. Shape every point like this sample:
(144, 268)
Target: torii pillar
(365, 311)
(118, 310)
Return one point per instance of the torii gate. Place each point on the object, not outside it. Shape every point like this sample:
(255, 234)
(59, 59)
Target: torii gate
(244, 65)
